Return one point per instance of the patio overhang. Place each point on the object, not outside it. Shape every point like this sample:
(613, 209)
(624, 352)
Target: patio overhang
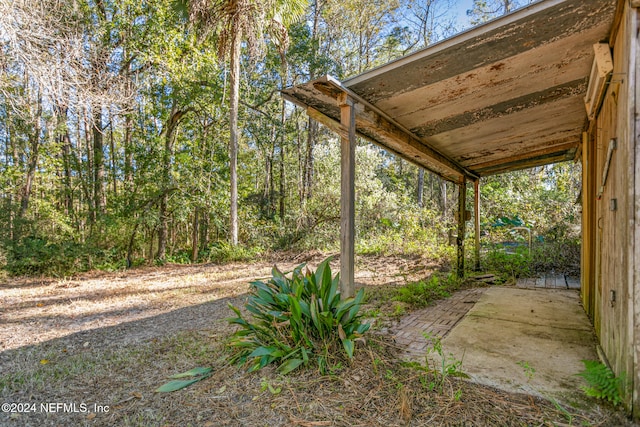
(506, 95)
(503, 96)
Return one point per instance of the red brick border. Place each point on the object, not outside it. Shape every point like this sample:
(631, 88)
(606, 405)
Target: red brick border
(437, 320)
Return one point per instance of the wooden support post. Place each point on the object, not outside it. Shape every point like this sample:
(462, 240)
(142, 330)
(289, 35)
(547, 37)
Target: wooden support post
(476, 221)
(347, 196)
(635, 238)
(589, 227)
(462, 208)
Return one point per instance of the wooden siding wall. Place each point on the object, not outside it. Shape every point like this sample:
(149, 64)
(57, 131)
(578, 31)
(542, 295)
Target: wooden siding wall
(611, 233)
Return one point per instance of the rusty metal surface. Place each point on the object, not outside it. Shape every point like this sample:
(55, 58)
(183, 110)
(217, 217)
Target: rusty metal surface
(503, 96)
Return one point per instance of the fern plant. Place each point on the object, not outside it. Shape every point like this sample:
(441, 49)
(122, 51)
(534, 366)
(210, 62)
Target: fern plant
(602, 382)
(296, 320)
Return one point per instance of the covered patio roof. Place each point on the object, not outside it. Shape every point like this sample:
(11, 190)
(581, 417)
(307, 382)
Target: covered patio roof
(503, 96)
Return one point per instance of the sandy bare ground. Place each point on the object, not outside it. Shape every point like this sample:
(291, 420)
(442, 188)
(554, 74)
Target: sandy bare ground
(33, 311)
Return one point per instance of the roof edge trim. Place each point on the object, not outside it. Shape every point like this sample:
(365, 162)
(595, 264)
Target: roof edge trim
(494, 24)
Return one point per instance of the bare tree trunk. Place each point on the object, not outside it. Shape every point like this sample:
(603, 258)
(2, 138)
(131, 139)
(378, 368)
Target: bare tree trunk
(282, 184)
(284, 76)
(163, 229)
(508, 6)
(128, 155)
(32, 163)
(301, 170)
(98, 67)
(195, 233)
(308, 162)
(420, 192)
(269, 191)
(204, 230)
(84, 175)
(307, 181)
(268, 170)
(169, 139)
(234, 80)
(206, 210)
(151, 237)
(128, 128)
(112, 157)
(10, 157)
(130, 245)
(88, 187)
(99, 200)
(443, 197)
(462, 209)
(425, 27)
(65, 142)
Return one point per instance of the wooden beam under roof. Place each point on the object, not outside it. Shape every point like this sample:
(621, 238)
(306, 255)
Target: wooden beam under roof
(532, 155)
(342, 131)
(376, 126)
(528, 163)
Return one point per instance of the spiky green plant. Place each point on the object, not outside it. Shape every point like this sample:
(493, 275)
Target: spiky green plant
(295, 320)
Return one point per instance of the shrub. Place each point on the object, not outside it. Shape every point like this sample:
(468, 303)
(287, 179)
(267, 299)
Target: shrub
(507, 264)
(297, 320)
(34, 255)
(560, 256)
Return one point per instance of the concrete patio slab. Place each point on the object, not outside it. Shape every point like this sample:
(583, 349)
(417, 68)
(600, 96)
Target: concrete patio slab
(525, 340)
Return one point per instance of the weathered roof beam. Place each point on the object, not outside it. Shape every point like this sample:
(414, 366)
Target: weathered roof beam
(378, 127)
(542, 153)
(528, 163)
(342, 131)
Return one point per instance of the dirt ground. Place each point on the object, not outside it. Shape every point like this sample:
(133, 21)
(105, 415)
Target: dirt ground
(34, 311)
(91, 350)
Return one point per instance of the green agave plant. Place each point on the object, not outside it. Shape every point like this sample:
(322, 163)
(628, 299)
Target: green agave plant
(295, 320)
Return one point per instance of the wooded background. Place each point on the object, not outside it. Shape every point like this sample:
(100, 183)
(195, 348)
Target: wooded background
(153, 131)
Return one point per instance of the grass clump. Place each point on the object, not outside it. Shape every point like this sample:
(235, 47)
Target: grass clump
(424, 292)
(297, 320)
(222, 252)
